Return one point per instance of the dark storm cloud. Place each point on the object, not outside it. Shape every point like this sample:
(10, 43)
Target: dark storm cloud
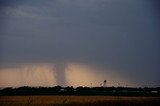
(123, 35)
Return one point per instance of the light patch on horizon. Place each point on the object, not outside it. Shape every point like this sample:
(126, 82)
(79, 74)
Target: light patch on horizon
(84, 75)
(45, 75)
(27, 75)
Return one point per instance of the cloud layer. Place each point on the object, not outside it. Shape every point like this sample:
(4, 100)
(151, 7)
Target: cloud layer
(120, 35)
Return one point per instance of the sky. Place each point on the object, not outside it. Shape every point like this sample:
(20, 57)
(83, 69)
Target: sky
(79, 42)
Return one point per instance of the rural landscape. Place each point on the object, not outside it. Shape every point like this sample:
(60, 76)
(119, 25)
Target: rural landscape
(78, 101)
(79, 52)
(80, 96)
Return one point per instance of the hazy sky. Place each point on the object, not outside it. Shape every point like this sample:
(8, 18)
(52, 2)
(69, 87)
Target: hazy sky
(116, 40)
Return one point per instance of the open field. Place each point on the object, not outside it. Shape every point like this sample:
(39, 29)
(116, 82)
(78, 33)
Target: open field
(78, 101)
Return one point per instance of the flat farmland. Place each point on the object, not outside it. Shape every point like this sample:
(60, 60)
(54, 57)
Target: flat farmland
(78, 101)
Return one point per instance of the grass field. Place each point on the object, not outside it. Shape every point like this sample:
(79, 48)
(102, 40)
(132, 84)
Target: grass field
(78, 101)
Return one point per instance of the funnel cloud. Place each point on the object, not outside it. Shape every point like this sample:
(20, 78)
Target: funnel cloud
(59, 72)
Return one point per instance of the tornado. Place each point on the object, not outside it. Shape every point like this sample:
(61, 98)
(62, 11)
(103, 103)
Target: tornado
(60, 75)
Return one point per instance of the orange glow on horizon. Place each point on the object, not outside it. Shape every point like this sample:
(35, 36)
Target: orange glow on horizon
(44, 75)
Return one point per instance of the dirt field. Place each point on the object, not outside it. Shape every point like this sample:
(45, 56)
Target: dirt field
(78, 101)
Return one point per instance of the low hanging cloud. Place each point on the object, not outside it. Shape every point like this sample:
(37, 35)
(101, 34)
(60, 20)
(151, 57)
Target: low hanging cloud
(119, 35)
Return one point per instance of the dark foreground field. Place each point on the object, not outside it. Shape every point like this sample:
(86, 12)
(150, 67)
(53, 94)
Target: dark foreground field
(78, 101)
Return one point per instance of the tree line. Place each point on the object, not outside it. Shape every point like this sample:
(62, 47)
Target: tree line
(70, 90)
